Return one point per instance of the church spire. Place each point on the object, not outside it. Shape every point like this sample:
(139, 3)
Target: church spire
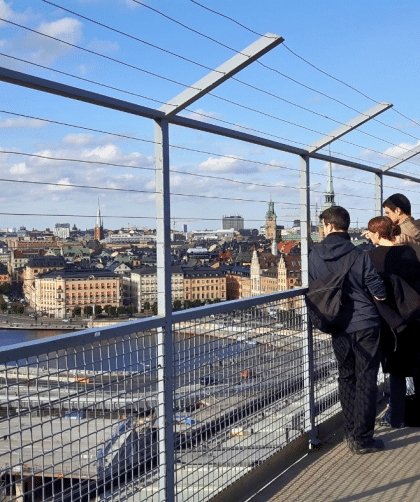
(99, 225)
(329, 194)
(98, 216)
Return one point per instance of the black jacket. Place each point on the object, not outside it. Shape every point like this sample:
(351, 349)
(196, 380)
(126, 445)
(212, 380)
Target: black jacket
(361, 284)
(400, 331)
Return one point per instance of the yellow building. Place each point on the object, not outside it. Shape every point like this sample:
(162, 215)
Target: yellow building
(59, 292)
(38, 265)
(204, 283)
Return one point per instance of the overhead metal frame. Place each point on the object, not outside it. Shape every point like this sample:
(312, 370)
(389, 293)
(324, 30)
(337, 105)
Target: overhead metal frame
(51, 87)
(406, 156)
(221, 74)
(349, 126)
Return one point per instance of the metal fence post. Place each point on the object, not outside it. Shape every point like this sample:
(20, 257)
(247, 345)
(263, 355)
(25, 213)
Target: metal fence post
(379, 193)
(308, 356)
(164, 297)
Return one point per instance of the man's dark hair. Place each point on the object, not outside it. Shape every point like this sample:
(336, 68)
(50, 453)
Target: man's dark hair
(337, 216)
(398, 200)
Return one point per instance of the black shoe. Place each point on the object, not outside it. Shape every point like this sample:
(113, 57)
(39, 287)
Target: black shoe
(375, 445)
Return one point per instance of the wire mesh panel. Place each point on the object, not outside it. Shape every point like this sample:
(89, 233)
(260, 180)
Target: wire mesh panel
(238, 393)
(325, 378)
(77, 423)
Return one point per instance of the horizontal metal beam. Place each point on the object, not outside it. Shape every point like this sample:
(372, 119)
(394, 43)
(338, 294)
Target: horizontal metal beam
(406, 156)
(68, 91)
(221, 74)
(258, 140)
(75, 93)
(348, 126)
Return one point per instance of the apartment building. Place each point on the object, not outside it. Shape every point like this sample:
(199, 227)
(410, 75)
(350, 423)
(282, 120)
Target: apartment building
(140, 286)
(38, 265)
(204, 283)
(58, 292)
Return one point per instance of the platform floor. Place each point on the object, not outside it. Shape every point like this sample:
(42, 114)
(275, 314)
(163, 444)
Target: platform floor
(334, 474)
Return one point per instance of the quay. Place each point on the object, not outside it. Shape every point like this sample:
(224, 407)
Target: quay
(45, 323)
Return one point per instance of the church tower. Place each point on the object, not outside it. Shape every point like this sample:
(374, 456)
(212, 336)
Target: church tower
(99, 227)
(270, 222)
(329, 194)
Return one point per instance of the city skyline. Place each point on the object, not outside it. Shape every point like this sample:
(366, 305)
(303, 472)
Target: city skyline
(233, 177)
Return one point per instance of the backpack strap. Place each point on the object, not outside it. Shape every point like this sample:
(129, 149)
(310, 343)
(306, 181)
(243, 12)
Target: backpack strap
(350, 260)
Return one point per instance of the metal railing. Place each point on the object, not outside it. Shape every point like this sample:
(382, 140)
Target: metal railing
(179, 406)
(81, 414)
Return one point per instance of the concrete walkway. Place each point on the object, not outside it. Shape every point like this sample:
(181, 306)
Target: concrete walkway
(334, 474)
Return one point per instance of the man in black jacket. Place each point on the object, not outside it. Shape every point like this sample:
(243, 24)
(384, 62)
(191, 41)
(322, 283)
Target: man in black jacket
(357, 345)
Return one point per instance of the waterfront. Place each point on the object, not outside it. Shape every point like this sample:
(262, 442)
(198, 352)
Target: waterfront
(15, 336)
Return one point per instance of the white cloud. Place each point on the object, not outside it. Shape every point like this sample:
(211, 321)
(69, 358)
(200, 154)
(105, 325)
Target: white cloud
(47, 50)
(227, 164)
(203, 115)
(408, 125)
(64, 185)
(67, 28)
(130, 4)
(20, 168)
(82, 69)
(399, 150)
(103, 46)
(6, 12)
(21, 123)
(274, 165)
(81, 139)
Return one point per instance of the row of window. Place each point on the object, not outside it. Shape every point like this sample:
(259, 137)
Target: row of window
(205, 288)
(201, 296)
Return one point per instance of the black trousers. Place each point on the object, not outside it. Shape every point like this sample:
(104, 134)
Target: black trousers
(358, 355)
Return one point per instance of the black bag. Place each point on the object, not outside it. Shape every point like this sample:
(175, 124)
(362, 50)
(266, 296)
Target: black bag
(412, 411)
(323, 298)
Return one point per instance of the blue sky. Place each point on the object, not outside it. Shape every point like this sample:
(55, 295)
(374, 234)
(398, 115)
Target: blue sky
(371, 46)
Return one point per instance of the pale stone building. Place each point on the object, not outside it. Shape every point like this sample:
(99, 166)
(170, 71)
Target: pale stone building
(140, 286)
(59, 292)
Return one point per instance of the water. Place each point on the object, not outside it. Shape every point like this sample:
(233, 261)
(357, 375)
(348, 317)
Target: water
(14, 336)
(137, 353)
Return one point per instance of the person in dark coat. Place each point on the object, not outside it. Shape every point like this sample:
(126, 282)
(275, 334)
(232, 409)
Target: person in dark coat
(357, 344)
(400, 345)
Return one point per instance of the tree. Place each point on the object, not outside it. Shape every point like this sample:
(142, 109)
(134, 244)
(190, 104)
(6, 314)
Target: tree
(197, 303)
(106, 309)
(121, 310)
(112, 311)
(5, 288)
(177, 304)
(3, 306)
(88, 310)
(98, 309)
(132, 309)
(146, 306)
(17, 308)
(155, 308)
(77, 311)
